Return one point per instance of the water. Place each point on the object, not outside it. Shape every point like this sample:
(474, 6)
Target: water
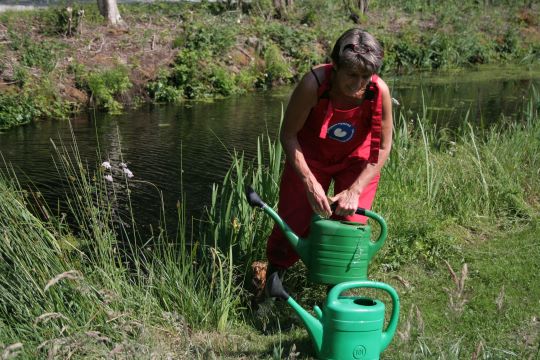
(191, 144)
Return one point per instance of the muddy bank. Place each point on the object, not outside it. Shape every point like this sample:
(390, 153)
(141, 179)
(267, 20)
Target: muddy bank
(55, 62)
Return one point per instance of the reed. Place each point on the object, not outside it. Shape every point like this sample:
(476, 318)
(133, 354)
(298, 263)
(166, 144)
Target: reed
(60, 282)
(230, 223)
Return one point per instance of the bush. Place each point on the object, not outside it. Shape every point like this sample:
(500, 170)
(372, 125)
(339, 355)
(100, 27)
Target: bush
(222, 81)
(16, 109)
(160, 91)
(41, 55)
(106, 85)
(276, 66)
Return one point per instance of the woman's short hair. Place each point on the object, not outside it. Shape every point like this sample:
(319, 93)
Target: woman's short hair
(357, 48)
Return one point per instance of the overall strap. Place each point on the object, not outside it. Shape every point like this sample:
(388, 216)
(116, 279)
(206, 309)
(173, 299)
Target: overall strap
(323, 94)
(316, 78)
(324, 86)
(373, 95)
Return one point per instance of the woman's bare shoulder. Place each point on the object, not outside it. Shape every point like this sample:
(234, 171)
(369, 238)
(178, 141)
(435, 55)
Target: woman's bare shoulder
(309, 84)
(383, 86)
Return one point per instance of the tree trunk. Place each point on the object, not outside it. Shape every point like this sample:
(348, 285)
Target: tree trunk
(109, 10)
(363, 6)
(282, 7)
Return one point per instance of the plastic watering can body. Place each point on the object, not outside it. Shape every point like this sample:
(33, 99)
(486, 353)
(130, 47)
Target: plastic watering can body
(334, 251)
(353, 326)
(348, 327)
(340, 251)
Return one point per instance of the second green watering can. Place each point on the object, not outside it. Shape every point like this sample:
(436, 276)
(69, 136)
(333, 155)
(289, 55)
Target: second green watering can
(347, 327)
(334, 251)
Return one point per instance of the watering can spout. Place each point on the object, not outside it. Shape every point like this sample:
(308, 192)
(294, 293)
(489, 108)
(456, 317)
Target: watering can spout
(313, 325)
(300, 245)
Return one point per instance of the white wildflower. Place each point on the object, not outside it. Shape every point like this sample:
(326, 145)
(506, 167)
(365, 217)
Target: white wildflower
(123, 165)
(395, 102)
(128, 172)
(106, 165)
(108, 178)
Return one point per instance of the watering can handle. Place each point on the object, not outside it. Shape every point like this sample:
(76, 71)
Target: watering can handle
(375, 245)
(387, 335)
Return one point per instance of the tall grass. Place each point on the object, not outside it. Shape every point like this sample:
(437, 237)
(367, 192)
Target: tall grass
(84, 282)
(230, 222)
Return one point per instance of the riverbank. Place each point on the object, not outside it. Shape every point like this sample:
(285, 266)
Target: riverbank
(461, 251)
(54, 65)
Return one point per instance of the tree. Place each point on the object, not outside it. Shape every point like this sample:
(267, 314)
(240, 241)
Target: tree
(363, 6)
(356, 9)
(109, 10)
(282, 6)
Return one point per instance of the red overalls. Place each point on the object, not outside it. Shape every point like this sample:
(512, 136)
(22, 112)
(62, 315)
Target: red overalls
(337, 144)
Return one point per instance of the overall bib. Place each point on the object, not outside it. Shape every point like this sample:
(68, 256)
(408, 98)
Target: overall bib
(337, 145)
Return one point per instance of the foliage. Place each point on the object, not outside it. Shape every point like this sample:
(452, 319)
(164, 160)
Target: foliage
(58, 21)
(276, 66)
(35, 54)
(35, 101)
(106, 85)
(293, 43)
(16, 110)
(161, 92)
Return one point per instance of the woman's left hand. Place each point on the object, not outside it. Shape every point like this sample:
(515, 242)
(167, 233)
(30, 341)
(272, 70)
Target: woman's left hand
(346, 201)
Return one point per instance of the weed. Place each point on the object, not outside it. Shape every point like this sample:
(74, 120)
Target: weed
(42, 54)
(222, 81)
(457, 295)
(105, 85)
(16, 110)
(276, 65)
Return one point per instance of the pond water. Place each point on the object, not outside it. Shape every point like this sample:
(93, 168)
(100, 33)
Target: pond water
(164, 144)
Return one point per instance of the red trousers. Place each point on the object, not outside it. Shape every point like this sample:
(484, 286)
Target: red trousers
(295, 210)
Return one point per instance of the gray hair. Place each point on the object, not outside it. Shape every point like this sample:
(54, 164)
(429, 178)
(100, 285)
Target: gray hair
(357, 48)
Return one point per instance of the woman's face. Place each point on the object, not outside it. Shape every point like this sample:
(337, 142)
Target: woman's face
(351, 81)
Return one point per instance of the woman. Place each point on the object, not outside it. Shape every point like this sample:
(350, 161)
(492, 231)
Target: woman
(337, 126)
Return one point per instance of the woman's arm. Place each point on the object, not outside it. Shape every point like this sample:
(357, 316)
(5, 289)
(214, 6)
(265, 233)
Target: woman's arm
(347, 200)
(302, 100)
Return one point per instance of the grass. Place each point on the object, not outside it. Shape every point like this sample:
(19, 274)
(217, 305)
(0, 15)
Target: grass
(83, 284)
(488, 312)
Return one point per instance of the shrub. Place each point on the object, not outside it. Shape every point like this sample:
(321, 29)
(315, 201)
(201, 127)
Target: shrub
(222, 81)
(42, 55)
(185, 74)
(276, 66)
(16, 109)
(105, 85)
(209, 38)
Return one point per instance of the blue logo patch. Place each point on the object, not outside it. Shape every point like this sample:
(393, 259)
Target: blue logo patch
(341, 132)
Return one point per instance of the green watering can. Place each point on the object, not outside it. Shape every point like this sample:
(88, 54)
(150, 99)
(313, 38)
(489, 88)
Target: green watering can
(335, 251)
(348, 327)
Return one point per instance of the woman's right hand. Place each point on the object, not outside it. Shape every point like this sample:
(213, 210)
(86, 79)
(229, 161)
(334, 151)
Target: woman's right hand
(317, 199)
